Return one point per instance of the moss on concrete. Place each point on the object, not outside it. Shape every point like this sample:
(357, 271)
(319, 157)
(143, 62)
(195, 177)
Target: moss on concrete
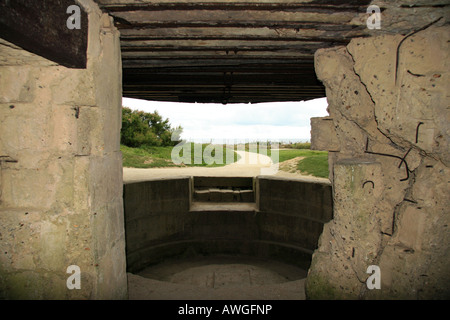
(318, 288)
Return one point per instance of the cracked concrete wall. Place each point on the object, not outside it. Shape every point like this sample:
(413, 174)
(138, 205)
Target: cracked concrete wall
(61, 171)
(388, 135)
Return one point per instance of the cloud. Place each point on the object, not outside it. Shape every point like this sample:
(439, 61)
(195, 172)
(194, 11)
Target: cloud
(264, 121)
(247, 133)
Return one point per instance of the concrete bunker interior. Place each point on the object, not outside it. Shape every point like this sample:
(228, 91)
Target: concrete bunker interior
(230, 223)
(61, 198)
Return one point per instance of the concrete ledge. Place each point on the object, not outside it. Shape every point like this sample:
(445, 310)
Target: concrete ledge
(247, 195)
(224, 207)
(314, 180)
(224, 195)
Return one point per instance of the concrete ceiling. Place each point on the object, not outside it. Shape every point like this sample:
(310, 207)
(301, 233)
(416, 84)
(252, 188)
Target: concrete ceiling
(233, 51)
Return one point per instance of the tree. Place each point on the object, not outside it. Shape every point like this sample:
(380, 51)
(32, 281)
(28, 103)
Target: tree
(141, 128)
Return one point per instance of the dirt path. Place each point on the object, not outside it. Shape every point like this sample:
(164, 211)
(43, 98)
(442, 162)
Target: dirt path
(291, 165)
(249, 165)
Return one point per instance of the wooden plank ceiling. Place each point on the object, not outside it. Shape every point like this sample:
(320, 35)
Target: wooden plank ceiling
(236, 51)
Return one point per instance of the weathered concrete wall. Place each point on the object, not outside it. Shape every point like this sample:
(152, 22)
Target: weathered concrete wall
(387, 212)
(293, 210)
(160, 222)
(155, 213)
(61, 197)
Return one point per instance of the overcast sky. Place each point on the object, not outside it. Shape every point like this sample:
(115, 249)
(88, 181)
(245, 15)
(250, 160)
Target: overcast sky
(278, 121)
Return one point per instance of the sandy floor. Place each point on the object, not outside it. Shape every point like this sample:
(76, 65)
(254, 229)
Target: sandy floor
(218, 278)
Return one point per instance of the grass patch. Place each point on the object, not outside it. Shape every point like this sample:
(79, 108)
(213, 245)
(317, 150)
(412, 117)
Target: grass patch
(294, 153)
(316, 165)
(148, 157)
(160, 157)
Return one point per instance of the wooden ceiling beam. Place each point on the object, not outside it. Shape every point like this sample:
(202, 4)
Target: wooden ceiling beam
(230, 6)
(22, 23)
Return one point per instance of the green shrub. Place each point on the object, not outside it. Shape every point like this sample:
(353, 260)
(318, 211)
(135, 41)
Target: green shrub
(141, 128)
(297, 145)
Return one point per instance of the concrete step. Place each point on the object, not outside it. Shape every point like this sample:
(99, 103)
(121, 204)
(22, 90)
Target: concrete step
(224, 195)
(198, 206)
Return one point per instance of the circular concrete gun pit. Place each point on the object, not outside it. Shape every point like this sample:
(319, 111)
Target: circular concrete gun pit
(219, 277)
